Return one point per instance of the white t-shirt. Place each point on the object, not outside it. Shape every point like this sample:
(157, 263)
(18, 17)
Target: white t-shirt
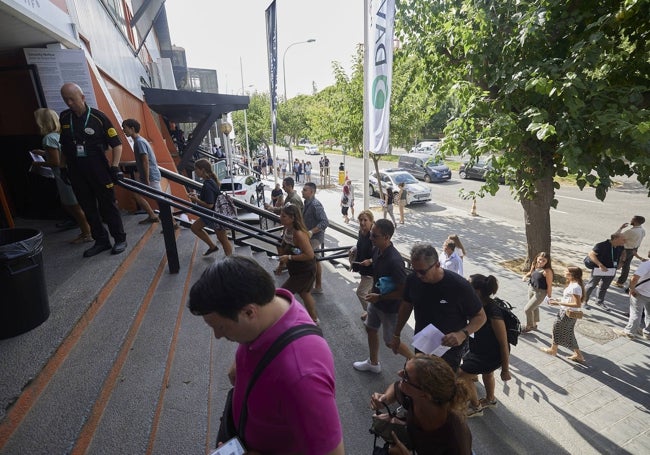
(643, 272)
(568, 293)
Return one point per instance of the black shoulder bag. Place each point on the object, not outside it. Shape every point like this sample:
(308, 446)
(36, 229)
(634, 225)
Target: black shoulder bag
(227, 429)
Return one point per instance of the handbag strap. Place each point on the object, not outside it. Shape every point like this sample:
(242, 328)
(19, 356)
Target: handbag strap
(278, 345)
(641, 282)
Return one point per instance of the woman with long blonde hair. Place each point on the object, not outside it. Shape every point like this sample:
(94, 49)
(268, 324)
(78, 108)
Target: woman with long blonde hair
(540, 286)
(49, 126)
(434, 400)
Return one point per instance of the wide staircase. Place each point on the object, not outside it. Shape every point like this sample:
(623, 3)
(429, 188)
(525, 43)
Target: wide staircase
(122, 367)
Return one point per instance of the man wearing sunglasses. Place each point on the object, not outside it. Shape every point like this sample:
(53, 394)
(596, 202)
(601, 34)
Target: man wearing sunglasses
(384, 299)
(442, 298)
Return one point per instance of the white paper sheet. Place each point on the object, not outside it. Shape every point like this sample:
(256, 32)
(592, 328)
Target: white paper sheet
(40, 170)
(429, 341)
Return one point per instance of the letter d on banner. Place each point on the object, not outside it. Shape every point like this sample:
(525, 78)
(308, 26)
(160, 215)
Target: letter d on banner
(379, 73)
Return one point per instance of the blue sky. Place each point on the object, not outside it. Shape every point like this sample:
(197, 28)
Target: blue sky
(216, 33)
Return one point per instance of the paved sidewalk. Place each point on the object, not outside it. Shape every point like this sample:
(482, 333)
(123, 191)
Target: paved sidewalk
(556, 404)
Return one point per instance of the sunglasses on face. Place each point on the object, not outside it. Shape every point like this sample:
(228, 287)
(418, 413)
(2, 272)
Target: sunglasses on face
(406, 380)
(423, 272)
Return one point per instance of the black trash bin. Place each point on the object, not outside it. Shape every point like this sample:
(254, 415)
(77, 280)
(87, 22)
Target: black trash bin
(23, 296)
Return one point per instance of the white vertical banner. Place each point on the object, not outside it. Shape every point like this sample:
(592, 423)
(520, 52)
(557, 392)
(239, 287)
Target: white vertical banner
(378, 72)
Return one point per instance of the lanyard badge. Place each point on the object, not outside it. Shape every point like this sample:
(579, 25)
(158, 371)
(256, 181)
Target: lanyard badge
(80, 148)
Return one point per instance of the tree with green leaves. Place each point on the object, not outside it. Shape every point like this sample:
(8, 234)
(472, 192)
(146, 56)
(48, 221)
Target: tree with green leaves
(259, 121)
(546, 88)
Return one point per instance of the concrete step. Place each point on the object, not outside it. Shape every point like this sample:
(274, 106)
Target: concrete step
(71, 389)
(137, 374)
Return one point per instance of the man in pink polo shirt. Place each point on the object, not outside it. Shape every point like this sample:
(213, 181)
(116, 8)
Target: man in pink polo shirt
(292, 406)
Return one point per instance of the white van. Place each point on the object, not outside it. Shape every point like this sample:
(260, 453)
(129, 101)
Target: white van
(429, 147)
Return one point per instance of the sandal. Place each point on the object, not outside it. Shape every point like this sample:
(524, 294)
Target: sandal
(82, 238)
(576, 359)
(529, 328)
(549, 351)
(278, 270)
(484, 403)
(211, 250)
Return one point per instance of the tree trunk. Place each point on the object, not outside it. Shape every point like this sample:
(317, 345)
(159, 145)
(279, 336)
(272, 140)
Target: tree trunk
(537, 219)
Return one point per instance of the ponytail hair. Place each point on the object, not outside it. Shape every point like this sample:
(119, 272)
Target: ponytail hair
(206, 167)
(486, 285)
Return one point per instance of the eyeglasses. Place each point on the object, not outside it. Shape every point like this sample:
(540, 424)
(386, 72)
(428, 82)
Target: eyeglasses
(406, 380)
(424, 272)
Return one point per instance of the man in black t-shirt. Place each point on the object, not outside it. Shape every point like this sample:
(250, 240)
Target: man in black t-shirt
(384, 298)
(442, 298)
(86, 135)
(608, 256)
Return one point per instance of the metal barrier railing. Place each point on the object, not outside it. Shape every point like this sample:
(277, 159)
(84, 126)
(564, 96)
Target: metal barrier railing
(263, 234)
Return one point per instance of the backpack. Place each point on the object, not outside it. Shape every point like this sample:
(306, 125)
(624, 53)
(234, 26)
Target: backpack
(513, 326)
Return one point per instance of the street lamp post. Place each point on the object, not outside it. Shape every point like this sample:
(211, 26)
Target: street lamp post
(284, 72)
(248, 148)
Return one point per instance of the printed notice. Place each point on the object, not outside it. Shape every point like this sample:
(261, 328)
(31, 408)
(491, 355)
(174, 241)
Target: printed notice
(58, 66)
(429, 341)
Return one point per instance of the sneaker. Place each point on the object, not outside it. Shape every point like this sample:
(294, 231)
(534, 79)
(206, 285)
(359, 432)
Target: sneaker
(474, 412)
(96, 249)
(623, 333)
(484, 403)
(617, 284)
(646, 336)
(365, 365)
(317, 291)
(603, 306)
(119, 247)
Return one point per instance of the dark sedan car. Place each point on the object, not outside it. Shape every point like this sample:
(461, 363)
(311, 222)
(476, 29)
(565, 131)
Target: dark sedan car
(478, 171)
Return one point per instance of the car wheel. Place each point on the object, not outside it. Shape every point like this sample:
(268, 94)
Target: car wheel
(427, 179)
(371, 190)
(462, 174)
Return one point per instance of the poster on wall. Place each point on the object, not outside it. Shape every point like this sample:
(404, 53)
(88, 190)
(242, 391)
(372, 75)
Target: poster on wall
(58, 66)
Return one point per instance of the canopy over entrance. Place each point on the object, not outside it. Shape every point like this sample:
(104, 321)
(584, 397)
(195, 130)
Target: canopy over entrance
(181, 106)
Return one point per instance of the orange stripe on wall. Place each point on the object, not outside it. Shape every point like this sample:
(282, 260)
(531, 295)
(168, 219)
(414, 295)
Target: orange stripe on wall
(129, 106)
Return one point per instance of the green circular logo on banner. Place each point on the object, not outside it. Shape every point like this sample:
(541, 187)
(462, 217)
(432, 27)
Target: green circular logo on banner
(379, 92)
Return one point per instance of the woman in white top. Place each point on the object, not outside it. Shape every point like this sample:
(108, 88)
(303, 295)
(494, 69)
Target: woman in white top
(460, 249)
(564, 326)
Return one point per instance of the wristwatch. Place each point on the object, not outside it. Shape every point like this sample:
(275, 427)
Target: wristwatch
(466, 333)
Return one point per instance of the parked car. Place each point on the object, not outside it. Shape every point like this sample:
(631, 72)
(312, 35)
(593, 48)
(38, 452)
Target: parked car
(478, 171)
(391, 178)
(245, 187)
(429, 168)
(311, 150)
(429, 147)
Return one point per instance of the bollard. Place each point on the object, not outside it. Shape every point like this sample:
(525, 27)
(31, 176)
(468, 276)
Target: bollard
(473, 212)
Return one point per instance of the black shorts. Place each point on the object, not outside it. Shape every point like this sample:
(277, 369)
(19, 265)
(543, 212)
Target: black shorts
(475, 364)
(344, 210)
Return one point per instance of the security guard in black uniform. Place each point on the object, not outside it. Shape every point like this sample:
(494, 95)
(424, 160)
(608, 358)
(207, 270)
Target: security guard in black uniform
(86, 135)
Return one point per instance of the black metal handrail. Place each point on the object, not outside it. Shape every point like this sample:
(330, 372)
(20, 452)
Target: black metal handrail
(167, 201)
